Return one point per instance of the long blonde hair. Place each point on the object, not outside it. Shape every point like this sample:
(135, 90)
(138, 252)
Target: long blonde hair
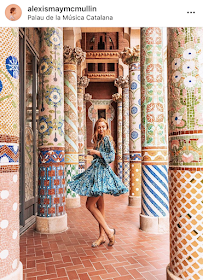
(97, 139)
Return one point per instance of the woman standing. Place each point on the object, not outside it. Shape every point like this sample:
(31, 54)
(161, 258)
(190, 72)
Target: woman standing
(99, 178)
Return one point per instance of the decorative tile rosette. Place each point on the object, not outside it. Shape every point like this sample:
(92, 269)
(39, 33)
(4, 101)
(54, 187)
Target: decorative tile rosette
(51, 100)
(185, 67)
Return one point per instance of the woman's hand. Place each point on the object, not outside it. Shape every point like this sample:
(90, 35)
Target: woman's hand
(91, 152)
(94, 152)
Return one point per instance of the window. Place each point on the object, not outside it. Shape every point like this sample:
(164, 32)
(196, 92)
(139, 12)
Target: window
(111, 67)
(101, 67)
(102, 113)
(91, 67)
(101, 44)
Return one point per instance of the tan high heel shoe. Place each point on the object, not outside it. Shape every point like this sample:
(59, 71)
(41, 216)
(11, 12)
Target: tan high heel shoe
(97, 243)
(112, 239)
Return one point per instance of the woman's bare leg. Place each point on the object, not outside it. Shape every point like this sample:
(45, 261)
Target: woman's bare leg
(91, 206)
(100, 206)
(101, 238)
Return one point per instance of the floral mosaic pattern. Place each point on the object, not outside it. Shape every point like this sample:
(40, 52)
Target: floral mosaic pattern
(153, 101)
(186, 68)
(154, 149)
(186, 150)
(135, 129)
(185, 54)
(51, 126)
(9, 87)
(51, 101)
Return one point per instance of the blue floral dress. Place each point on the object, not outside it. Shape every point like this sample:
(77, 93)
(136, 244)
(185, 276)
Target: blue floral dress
(99, 178)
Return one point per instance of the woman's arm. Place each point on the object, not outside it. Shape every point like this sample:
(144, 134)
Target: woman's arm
(107, 153)
(94, 152)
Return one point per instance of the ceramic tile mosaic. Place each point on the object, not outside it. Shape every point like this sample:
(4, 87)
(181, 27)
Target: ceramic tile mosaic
(51, 184)
(125, 137)
(9, 223)
(134, 108)
(185, 67)
(135, 129)
(131, 57)
(51, 195)
(117, 97)
(9, 79)
(155, 190)
(51, 100)
(71, 170)
(71, 123)
(82, 83)
(186, 223)
(154, 145)
(80, 121)
(135, 179)
(9, 151)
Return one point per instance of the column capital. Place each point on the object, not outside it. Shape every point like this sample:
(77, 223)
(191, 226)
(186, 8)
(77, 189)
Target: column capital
(73, 56)
(122, 81)
(117, 97)
(130, 55)
(83, 81)
(87, 97)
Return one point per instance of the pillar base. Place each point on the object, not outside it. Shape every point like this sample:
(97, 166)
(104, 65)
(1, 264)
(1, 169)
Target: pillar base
(170, 275)
(72, 202)
(134, 201)
(51, 225)
(154, 224)
(17, 274)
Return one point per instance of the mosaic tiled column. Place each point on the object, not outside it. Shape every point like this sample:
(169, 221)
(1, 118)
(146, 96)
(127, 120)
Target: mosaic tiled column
(154, 217)
(82, 82)
(52, 217)
(117, 97)
(71, 58)
(124, 84)
(11, 267)
(185, 98)
(87, 97)
(131, 58)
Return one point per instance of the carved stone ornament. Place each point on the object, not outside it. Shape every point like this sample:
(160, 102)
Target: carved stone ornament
(101, 75)
(75, 55)
(87, 97)
(129, 55)
(83, 81)
(122, 82)
(113, 54)
(117, 97)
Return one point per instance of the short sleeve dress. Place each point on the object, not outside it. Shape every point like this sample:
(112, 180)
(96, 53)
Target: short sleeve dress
(99, 178)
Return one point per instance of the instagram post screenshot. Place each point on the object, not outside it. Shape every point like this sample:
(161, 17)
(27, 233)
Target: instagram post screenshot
(101, 140)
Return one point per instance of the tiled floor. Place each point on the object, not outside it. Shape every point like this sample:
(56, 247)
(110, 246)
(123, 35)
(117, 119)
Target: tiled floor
(135, 255)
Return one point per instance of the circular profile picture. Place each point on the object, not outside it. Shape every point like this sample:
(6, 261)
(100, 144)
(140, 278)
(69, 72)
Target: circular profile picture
(13, 12)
